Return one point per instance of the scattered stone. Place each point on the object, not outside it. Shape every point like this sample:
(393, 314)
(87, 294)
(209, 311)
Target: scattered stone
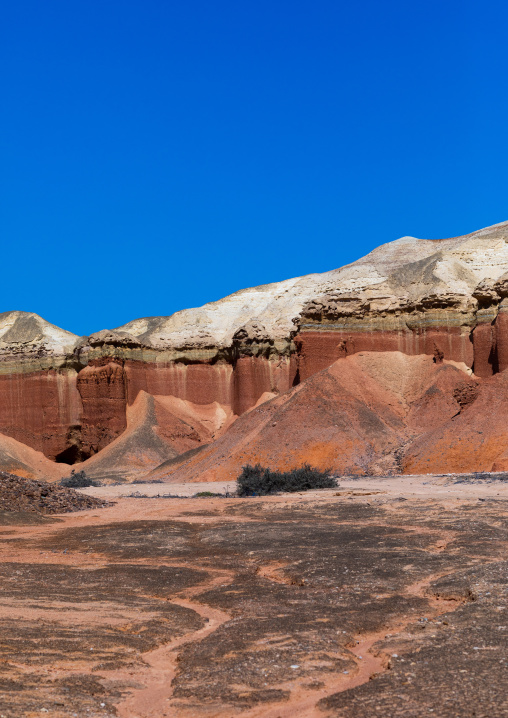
(41, 497)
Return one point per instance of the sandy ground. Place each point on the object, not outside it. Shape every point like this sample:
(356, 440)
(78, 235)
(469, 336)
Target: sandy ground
(385, 596)
(424, 486)
(182, 490)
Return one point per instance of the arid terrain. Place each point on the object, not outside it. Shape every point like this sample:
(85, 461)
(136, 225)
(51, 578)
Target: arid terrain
(385, 596)
(393, 363)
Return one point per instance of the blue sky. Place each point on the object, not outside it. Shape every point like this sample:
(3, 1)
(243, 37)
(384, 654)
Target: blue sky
(157, 155)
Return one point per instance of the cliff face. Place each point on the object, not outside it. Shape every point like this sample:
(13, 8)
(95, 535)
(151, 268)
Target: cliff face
(39, 402)
(447, 298)
(68, 396)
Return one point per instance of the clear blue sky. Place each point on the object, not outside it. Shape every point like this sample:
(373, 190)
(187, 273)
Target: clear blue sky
(158, 154)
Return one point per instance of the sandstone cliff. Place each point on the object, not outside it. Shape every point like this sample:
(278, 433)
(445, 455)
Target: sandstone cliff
(69, 397)
(39, 402)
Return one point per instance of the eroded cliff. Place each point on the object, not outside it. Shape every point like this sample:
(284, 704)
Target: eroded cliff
(69, 396)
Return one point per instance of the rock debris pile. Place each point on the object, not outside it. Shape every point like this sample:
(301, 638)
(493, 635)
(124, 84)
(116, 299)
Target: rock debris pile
(20, 494)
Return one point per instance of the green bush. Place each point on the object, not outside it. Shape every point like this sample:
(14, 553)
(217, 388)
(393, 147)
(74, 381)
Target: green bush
(259, 481)
(78, 480)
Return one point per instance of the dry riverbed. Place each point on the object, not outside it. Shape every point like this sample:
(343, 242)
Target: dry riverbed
(384, 597)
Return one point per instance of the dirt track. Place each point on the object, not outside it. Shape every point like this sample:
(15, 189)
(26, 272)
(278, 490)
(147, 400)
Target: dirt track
(383, 597)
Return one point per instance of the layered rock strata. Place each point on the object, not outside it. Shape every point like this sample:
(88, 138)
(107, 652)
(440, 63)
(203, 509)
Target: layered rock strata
(40, 405)
(68, 396)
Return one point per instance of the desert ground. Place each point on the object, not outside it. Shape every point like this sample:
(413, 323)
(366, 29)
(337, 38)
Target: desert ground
(385, 596)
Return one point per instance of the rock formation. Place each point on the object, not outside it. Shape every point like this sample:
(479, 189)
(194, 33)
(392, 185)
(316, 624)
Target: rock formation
(159, 429)
(69, 397)
(371, 413)
(22, 460)
(39, 402)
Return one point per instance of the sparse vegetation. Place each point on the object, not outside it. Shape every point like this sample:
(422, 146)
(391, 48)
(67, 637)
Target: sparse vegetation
(260, 481)
(78, 480)
(481, 476)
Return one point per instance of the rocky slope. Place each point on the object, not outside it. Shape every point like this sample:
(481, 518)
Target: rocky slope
(159, 429)
(20, 459)
(68, 396)
(371, 413)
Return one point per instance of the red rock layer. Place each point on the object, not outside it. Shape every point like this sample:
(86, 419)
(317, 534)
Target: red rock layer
(501, 325)
(103, 395)
(199, 383)
(253, 376)
(239, 386)
(484, 345)
(490, 342)
(69, 420)
(484, 349)
(69, 417)
(318, 350)
(39, 409)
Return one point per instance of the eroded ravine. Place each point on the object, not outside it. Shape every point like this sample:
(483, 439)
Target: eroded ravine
(152, 700)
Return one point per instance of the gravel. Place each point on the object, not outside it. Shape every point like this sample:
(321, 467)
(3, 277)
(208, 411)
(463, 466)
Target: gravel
(20, 494)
